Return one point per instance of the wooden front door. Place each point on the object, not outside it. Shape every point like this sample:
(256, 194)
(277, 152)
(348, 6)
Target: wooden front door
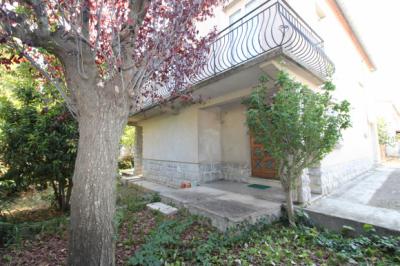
(262, 164)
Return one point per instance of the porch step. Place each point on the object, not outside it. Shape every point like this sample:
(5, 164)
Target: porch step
(370, 198)
(131, 179)
(334, 214)
(224, 208)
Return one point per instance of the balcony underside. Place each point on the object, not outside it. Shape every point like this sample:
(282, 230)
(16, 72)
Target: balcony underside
(241, 77)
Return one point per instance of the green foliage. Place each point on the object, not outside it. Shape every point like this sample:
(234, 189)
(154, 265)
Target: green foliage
(14, 233)
(164, 242)
(133, 199)
(127, 142)
(38, 139)
(128, 137)
(297, 126)
(19, 75)
(299, 122)
(262, 244)
(397, 137)
(130, 196)
(366, 248)
(383, 133)
(125, 162)
(189, 240)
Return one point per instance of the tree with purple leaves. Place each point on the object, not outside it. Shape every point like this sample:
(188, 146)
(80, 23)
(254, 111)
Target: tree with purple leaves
(104, 57)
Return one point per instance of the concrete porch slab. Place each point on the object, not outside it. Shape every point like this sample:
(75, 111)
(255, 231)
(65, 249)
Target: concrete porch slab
(372, 198)
(275, 193)
(224, 207)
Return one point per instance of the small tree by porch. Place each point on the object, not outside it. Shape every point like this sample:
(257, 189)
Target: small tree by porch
(297, 126)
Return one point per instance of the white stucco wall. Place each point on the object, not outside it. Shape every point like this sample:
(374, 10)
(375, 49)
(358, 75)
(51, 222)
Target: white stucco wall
(235, 138)
(171, 137)
(196, 134)
(209, 126)
(390, 113)
(357, 152)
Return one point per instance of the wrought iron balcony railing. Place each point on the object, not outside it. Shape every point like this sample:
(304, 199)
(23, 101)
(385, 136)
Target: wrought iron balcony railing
(272, 25)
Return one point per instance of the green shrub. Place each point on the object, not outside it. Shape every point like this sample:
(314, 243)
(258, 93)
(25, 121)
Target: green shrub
(125, 163)
(38, 142)
(297, 126)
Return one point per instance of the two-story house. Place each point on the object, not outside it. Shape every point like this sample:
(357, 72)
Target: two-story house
(208, 141)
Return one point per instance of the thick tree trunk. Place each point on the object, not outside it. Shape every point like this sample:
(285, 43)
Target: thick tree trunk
(93, 194)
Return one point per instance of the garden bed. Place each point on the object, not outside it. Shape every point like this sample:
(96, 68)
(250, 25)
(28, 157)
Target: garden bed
(149, 238)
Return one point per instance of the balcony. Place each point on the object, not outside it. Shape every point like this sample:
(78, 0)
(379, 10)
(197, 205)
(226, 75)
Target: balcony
(271, 30)
(274, 24)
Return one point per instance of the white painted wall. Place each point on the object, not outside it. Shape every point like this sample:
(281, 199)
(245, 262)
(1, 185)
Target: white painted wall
(351, 78)
(235, 138)
(171, 137)
(209, 135)
(197, 134)
(390, 113)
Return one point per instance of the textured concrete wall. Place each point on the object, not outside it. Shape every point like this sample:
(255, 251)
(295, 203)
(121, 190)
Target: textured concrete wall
(174, 173)
(172, 137)
(235, 143)
(328, 177)
(138, 151)
(235, 137)
(171, 173)
(236, 171)
(393, 150)
(209, 127)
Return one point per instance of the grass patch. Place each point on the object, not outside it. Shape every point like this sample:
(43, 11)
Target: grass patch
(18, 205)
(29, 216)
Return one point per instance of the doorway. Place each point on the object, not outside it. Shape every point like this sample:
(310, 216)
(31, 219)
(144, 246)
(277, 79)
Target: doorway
(262, 164)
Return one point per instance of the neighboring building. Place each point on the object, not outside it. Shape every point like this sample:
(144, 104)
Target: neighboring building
(210, 141)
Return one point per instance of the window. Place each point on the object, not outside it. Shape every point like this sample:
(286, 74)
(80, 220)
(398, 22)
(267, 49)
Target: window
(234, 17)
(251, 5)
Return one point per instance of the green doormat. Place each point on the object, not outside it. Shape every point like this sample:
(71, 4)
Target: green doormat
(258, 186)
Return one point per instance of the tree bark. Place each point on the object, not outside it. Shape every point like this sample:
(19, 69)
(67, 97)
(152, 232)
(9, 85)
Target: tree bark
(289, 207)
(286, 174)
(92, 239)
(68, 196)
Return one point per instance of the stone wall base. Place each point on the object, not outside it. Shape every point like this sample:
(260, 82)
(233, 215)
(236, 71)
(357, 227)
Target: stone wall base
(319, 180)
(239, 172)
(325, 179)
(174, 173)
(171, 173)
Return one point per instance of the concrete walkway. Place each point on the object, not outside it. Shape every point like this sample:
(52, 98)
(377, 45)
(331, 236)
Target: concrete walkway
(373, 198)
(225, 203)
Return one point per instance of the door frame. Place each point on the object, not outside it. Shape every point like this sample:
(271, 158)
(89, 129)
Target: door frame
(266, 173)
